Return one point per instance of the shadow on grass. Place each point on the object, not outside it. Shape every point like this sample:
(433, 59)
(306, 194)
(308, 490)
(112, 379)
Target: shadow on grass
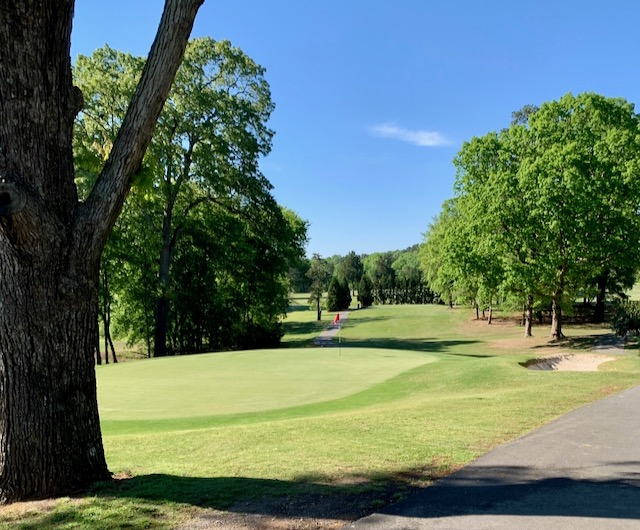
(365, 319)
(297, 308)
(504, 490)
(308, 496)
(582, 343)
(421, 345)
(520, 491)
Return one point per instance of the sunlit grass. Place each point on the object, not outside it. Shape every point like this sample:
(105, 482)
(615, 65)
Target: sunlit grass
(204, 446)
(247, 381)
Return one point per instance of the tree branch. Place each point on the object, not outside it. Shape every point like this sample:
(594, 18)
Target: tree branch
(98, 214)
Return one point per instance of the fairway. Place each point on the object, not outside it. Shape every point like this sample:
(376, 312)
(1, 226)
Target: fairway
(248, 381)
(228, 430)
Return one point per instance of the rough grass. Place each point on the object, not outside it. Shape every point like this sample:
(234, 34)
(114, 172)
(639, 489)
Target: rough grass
(400, 430)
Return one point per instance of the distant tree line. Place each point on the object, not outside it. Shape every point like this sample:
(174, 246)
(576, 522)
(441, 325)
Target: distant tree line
(382, 278)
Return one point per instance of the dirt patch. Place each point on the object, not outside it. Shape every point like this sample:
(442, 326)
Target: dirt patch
(21, 509)
(579, 362)
(518, 344)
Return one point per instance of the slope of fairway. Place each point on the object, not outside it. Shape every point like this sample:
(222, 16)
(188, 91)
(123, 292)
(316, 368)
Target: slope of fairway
(248, 381)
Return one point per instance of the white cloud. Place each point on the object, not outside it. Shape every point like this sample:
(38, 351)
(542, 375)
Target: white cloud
(421, 138)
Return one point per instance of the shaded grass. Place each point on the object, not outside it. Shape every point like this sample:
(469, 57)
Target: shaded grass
(400, 433)
(300, 325)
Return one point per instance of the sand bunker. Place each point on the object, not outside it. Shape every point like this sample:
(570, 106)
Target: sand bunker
(579, 362)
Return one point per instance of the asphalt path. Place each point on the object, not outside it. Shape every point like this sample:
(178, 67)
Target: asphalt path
(326, 337)
(581, 471)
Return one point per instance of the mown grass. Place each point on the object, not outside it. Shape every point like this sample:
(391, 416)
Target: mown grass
(301, 324)
(248, 381)
(405, 428)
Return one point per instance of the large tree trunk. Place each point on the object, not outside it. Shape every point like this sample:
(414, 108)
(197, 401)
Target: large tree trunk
(50, 245)
(51, 441)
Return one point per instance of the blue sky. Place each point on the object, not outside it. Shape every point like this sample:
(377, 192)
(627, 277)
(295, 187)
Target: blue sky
(375, 97)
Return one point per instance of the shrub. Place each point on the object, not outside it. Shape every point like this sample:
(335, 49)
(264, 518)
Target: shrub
(365, 291)
(625, 317)
(338, 295)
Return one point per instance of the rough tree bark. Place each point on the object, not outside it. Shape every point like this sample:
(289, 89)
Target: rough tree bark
(50, 244)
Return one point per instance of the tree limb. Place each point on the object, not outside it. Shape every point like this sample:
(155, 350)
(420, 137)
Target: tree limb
(98, 214)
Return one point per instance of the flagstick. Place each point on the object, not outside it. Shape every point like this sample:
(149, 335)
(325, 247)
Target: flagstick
(340, 340)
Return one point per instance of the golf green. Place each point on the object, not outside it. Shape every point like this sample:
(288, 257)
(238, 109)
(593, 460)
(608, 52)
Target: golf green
(246, 381)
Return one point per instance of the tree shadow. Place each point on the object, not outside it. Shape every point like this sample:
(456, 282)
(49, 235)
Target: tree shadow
(475, 490)
(308, 496)
(420, 345)
(366, 319)
(301, 328)
(583, 343)
(298, 308)
(519, 491)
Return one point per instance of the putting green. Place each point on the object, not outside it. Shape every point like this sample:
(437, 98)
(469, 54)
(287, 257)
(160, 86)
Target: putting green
(247, 381)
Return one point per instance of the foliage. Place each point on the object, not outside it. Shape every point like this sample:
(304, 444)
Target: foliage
(365, 291)
(338, 295)
(544, 209)
(299, 282)
(206, 245)
(625, 317)
(351, 268)
(397, 278)
(319, 273)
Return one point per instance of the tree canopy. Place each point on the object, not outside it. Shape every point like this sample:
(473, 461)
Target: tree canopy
(219, 243)
(545, 209)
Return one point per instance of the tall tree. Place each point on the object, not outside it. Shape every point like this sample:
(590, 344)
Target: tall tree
(210, 137)
(50, 244)
(558, 198)
(365, 291)
(206, 147)
(582, 170)
(384, 276)
(319, 273)
(438, 258)
(107, 80)
(338, 295)
(351, 268)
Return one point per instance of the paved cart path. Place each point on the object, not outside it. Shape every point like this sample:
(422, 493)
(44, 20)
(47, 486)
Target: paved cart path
(326, 337)
(581, 471)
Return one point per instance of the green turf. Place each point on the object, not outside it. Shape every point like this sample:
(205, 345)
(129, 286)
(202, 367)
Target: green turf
(225, 429)
(249, 381)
